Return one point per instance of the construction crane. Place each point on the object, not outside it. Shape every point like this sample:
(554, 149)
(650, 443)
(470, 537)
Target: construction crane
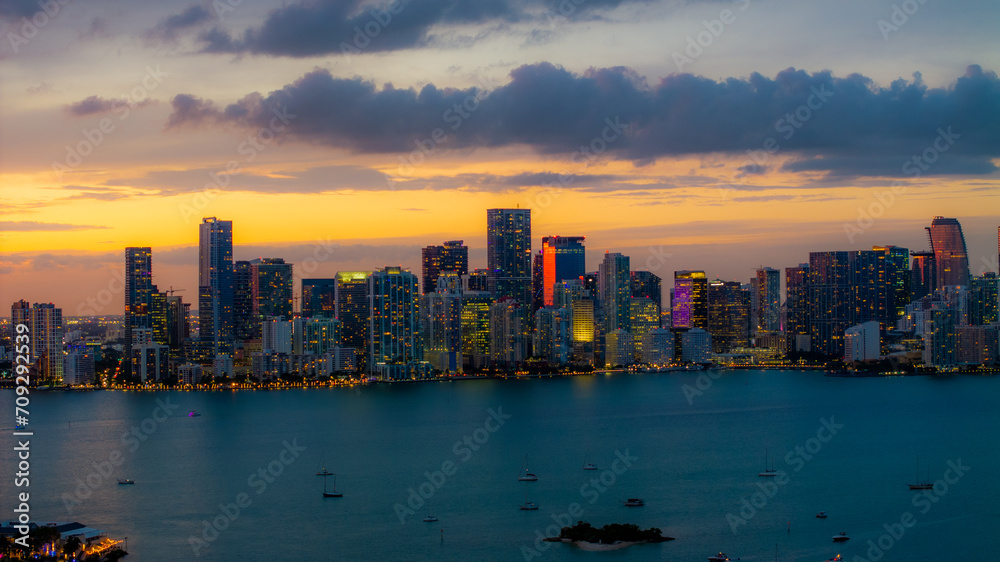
(172, 290)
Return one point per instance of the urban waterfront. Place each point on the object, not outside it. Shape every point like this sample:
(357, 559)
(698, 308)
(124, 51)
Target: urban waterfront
(689, 443)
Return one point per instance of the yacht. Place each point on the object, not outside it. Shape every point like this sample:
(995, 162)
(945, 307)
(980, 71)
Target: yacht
(126, 482)
(720, 557)
(634, 502)
(841, 537)
(525, 475)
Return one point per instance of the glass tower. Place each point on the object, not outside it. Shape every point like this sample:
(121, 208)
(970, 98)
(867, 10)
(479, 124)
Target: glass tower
(562, 259)
(950, 254)
(215, 284)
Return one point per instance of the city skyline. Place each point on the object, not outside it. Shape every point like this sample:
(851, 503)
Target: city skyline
(850, 147)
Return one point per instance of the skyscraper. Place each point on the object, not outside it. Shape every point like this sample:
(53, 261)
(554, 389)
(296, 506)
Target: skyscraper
(537, 282)
(319, 298)
(649, 285)
(950, 254)
(245, 325)
(272, 288)
(728, 316)
(452, 256)
(45, 338)
(615, 290)
(562, 258)
(353, 311)
(830, 299)
(138, 291)
(923, 275)
(689, 308)
(215, 284)
(983, 299)
(508, 253)
(767, 297)
(797, 305)
(394, 346)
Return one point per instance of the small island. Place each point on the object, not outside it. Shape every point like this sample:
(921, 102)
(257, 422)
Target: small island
(609, 537)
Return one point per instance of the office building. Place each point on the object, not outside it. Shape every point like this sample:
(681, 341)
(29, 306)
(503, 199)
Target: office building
(508, 254)
(728, 315)
(767, 300)
(451, 257)
(862, 342)
(831, 300)
(614, 284)
(923, 275)
(352, 308)
(394, 324)
(696, 346)
(319, 298)
(215, 284)
(689, 308)
(950, 255)
(983, 299)
(646, 284)
(644, 316)
(658, 347)
(562, 259)
(619, 349)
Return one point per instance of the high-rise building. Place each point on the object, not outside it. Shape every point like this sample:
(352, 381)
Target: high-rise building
(441, 323)
(923, 275)
(215, 284)
(507, 335)
(880, 285)
(658, 347)
(319, 298)
(767, 299)
(797, 306)
(178, 327)
(950, 255)
(45, 339)
(475, 329)
(537, 282)
(830, 299)
(272, 288)
(352, 306)
(315, 336)
(696, 346)
(508, 253)
(276, 335)
(862, 342)
(615, 292)
(728, 316)
(689, 308)
(552, 335)
(245, 325)
(138, 293)
(562, 259)
(646, 284)
(394, 347)
(983, 299)
(479, 280)
(452, 257)
(619, 349)
(644, 316)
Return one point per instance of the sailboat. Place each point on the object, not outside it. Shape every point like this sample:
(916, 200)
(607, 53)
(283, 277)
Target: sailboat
(524, 475)
(926, 484)
(334, 493)
(767, 471)
(528, 506)
(588, 465)
(323, 471)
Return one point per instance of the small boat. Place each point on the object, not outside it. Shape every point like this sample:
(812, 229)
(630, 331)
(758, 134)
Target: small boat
(821, 515)
(529, 506)
(841, 537)
(334, 493)
(720, 557)
(125, 482)
(837, 558)
(430, 519)
(922, 484)
(634, 502)
(524, 475)
(193, 414)
(767, 471)
(323, 471)
(590, 466)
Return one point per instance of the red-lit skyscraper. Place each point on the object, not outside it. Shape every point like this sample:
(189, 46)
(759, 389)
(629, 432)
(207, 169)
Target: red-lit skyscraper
(950, 256)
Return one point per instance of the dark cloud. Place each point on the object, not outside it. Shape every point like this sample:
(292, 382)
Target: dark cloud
(33, 226)
(168, 29)
(16, 9)
(96, 104)
(321, 27)
(847, 125)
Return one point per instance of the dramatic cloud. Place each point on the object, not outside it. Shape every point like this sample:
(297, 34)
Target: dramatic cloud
(321, 27)
(193, 16)
(844, 125)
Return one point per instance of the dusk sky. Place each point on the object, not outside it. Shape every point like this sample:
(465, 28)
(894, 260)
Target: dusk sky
(718, 135)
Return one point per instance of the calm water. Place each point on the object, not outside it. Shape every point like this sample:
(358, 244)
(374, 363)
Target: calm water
(691, 463)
